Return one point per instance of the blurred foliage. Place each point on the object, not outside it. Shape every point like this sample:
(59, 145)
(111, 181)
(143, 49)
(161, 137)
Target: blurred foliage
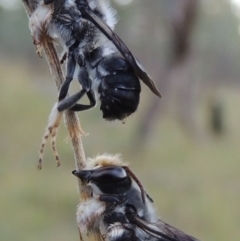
(194, 181)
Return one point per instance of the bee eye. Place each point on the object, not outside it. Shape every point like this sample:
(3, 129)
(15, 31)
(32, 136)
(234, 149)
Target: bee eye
(109, 174)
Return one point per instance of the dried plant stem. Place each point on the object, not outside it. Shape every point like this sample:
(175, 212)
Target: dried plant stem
(71, 119)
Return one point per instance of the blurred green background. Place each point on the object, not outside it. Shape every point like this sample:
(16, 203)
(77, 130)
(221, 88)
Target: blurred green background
(185, 148)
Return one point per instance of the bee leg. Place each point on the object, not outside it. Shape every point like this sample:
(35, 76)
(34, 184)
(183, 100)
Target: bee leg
(69, 102)
(80, 107)
(51, 131)
(56, 114)
(71, 65)
(63, 58)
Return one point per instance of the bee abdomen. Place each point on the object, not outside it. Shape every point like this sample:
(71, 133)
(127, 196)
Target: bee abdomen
(119, 88)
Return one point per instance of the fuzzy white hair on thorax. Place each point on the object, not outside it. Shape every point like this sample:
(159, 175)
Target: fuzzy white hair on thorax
(88, 212)
(109, 17)
(109, 13)
(105, 160)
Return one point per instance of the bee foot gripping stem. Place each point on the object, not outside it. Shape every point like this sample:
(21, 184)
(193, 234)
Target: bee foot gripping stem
(51, 131)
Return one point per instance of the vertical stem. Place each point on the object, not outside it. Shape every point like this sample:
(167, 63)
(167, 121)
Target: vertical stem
(71, 119)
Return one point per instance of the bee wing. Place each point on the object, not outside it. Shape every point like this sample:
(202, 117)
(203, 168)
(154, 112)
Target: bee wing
(88, 14)
(162, 231)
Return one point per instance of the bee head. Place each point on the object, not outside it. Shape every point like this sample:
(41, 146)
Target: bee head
(109, 174)
(109, 179)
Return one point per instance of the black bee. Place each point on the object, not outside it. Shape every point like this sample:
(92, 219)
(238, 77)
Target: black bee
(103, 63)
(117, 207)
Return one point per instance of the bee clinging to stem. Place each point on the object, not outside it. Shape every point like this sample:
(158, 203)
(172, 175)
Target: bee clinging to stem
(117, 207)
(103, 64)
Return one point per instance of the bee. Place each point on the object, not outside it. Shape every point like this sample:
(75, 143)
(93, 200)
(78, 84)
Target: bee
(117, 207)
(104, 65)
